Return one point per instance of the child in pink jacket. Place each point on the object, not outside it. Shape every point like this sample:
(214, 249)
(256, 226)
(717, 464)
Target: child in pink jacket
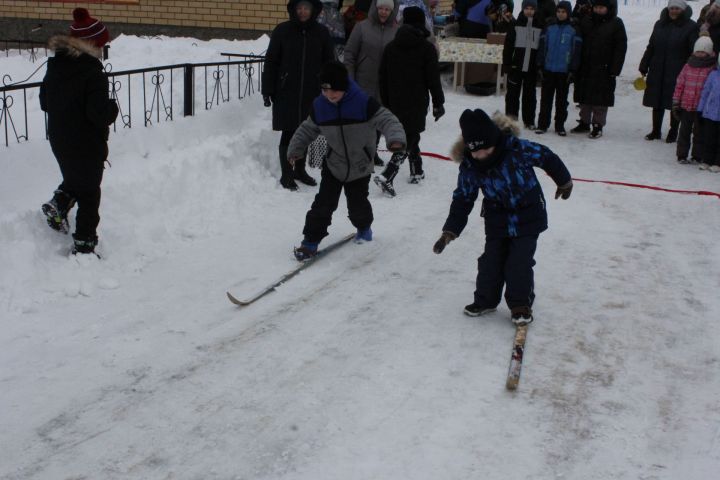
(688, 88)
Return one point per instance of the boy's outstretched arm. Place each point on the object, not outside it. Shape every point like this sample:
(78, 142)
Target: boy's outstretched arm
(541, 156)
(306, 133)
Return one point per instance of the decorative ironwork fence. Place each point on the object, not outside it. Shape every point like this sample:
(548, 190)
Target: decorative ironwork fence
(30, 46)
(163, 90)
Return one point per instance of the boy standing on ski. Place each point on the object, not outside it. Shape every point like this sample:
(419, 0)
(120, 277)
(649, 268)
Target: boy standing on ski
(349, 120)
(493, 159)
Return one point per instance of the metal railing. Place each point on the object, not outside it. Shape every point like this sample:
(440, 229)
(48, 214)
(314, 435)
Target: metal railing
(164, 89)
(33, 47)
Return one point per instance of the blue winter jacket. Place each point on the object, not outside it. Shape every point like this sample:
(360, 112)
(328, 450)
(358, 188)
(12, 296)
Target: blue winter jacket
(560, 48)
(710, 99)
(513, 203)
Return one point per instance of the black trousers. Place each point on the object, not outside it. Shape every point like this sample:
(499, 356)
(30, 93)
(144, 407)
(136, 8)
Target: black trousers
(690, 128)
(526, 82)
(319, 217)
(82, 183)
(553, 85)
(506, 262)
(711, 136)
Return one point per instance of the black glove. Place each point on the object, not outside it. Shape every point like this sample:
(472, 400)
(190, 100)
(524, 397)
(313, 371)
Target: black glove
(438, 112)
(267, 101)
(564, 191)
(445, 238)
(643, 71)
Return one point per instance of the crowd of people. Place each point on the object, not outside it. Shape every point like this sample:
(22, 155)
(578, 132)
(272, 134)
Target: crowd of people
(373, 72)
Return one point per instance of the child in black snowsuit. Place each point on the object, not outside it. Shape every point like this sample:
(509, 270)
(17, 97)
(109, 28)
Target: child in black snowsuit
(74, 93)
(520, 64)
(409, 74)
(493, 159)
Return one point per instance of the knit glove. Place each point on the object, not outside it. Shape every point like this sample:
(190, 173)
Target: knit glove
(564, 191)
(445, 238)
(438, 112)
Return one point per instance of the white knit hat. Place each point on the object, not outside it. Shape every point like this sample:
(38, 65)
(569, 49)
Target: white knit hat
(677, 3)
(703, 44)
(385, 3)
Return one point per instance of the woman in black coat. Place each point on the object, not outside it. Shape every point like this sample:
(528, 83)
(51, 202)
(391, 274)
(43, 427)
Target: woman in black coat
(671, 44)
(297, 50)
(408, 76)
(603, 56)
(74, 93)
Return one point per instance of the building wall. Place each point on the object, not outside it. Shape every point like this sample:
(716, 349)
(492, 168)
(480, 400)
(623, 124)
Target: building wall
(207, 18)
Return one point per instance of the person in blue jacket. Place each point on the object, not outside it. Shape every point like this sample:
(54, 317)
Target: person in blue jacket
(474, 21)
(558, 58)
(493, 159)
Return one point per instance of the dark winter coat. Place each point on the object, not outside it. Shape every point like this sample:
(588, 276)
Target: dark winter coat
(350, 128)
(671, 44)
(365, 47)
(409, 74)
(518, 39)
(603, 56)
(513, 202)
(74, 93)
(293, 59)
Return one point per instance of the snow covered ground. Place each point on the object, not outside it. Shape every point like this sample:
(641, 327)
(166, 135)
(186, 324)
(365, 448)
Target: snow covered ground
(364, 366)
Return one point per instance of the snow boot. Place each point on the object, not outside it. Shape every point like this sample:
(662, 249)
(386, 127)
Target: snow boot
(581, 127)
(306, 250)
(56, 210)
(596, 131)
(521, 315)
(416, 171)
(84, 245)
(286, 179)
(385, 185)
(385, 179)
(363, 235)
(475, 310)
(301, 174)
(561, 131)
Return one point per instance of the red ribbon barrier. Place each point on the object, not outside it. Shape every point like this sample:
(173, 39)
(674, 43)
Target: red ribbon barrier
(608, 182)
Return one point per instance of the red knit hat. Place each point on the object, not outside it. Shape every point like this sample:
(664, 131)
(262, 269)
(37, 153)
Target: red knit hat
(88, 28)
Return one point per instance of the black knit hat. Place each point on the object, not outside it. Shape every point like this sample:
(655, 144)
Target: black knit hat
(478, 130)
(564, 5)
(601, 3)
(334, 76)
(413, 16)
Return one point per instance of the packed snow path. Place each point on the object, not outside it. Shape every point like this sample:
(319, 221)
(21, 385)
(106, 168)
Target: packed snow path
(362, 367)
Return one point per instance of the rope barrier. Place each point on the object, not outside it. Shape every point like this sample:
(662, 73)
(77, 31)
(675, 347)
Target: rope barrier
(609, 182)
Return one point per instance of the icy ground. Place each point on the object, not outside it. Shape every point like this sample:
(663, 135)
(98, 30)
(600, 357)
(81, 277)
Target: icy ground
(364, 366)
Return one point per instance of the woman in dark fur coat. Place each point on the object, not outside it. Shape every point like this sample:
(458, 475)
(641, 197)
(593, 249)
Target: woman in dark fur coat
(671, 44)
(74, 93)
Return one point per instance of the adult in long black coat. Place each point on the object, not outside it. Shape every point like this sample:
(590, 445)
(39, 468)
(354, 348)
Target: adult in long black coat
(671, 44)
(603, 56)
(297, 50)
(74, 93)
(408, 76)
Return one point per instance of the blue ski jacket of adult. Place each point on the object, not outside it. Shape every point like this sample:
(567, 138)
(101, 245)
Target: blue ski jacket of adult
(294, 56)
(513, 203)
(560, 48)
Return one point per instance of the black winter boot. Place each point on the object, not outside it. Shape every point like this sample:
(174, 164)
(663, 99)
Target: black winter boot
(581, 127)
(301, 174)
(657, 119)
(84, 244)
(286, 178)
(416, 171)
(673, 132)
(56, 210)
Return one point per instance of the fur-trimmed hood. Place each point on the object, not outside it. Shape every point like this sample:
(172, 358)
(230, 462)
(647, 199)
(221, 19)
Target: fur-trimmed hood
(506, 124)
(73, 47)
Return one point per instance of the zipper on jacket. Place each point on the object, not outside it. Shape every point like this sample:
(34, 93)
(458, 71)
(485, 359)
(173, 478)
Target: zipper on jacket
(302, 77)
(342, 135)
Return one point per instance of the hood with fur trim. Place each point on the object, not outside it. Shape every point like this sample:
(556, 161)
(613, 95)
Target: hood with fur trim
(73, 47)
(506, 124)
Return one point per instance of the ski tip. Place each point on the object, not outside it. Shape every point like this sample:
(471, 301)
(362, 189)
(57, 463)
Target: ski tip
(235, 301)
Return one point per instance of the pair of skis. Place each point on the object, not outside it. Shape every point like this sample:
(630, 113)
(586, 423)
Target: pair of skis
(516, 358)
(284, 278)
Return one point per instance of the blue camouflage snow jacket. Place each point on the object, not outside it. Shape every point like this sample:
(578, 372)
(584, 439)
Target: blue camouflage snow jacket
(513, 203)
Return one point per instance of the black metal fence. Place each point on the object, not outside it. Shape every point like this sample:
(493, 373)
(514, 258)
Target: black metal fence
(157, 91)
(32, 47)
